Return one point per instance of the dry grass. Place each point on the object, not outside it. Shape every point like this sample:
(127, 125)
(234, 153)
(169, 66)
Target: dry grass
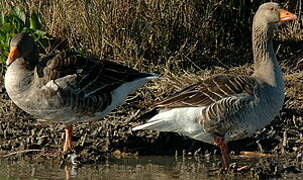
(172, 38)
(177, 39)
(184, 41)
(178, 34)
(169, 37)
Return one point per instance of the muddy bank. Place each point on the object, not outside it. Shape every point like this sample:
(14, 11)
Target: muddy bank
(112, 136)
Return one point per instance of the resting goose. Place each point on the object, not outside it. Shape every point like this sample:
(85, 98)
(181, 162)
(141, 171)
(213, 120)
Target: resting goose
(65, 87)
(229, 107)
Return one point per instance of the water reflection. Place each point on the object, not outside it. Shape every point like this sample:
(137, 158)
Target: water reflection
(70, 172)
(153, 168)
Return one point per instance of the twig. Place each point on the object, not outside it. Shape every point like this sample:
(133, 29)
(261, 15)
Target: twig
(23, 151)
(133, 116)
(254, 154)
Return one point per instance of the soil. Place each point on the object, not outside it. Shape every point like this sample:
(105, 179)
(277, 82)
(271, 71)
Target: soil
(22, 136)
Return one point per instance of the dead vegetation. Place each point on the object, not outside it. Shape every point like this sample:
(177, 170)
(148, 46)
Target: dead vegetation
(180, 34)
(184, 41)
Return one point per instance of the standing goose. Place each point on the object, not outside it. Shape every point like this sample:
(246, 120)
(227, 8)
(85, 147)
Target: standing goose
(65, 87)
(226, 107)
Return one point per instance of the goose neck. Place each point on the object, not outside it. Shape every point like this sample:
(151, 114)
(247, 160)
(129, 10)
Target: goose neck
(265, 61)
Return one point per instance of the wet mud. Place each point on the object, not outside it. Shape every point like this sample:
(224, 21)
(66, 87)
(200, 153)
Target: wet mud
(24, 137)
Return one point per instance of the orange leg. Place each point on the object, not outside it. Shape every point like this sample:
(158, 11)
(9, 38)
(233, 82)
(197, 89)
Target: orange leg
(67, 170)
(68, 138)
(219, 141)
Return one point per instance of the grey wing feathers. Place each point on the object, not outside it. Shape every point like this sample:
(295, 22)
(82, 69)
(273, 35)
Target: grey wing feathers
(223, 97)
(221, 116)
(210, 91)
(85, 84)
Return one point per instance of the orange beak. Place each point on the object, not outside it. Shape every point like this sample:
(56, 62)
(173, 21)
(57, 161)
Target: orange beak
(286, 16)
(13, 55)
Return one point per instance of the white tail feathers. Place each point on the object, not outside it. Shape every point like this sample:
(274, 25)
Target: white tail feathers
(153, 76)
(119, 94)
(179, 120)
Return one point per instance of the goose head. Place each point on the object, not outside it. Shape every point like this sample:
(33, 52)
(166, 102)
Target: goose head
(21, 46)
(271, 14)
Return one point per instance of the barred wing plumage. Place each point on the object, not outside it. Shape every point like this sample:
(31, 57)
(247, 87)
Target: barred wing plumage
(223, 96)
(211, 90)
(85, 83)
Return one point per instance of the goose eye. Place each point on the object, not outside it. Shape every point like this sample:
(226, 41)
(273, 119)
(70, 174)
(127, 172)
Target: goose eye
(271, 8)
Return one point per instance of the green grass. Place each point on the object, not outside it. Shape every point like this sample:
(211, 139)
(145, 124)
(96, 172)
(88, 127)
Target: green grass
(14, 22)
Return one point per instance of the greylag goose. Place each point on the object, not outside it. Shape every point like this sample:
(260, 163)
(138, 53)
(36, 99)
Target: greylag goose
(65, 87)
(225, 107)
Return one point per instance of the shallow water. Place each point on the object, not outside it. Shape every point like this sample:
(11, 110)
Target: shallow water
(147, 168)
(152, 167)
